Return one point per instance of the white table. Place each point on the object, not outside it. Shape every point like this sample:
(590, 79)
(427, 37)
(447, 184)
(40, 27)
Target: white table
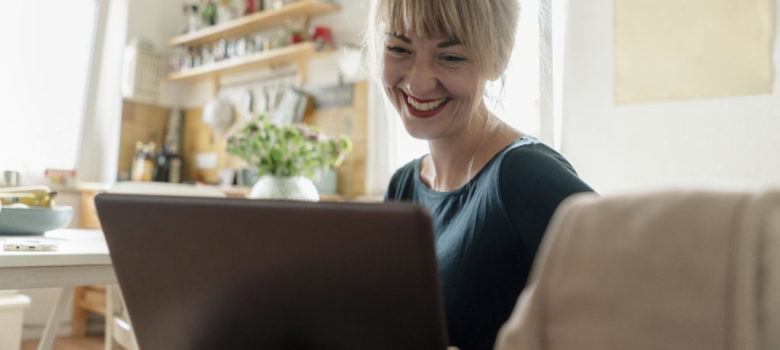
(82, 258)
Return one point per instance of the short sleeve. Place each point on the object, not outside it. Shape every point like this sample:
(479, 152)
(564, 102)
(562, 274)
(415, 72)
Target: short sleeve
(392, 188)
(533, 181)
(401, 183)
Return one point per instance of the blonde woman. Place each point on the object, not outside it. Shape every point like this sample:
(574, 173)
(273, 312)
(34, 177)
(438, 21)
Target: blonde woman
(490, 189)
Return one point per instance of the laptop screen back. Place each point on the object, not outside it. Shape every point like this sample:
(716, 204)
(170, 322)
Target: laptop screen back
(214, 273)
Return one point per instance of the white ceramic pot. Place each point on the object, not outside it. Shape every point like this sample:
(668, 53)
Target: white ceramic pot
(281, 187)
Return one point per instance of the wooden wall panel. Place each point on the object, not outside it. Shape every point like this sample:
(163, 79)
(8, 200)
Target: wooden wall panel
(353, 122)
(199, 140)
(140, 122)
(349, 120)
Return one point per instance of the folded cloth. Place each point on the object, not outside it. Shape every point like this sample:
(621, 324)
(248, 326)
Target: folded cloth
(671, 270)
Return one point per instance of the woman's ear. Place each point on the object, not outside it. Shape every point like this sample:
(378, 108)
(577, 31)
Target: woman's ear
(498, 71)
(495, 76)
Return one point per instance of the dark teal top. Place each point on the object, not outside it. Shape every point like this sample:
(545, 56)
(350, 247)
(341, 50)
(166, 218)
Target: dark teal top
(488, 231)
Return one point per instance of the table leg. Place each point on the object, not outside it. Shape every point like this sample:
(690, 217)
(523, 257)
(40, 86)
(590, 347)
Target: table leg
(50, 332)
(109, 333)
(118, 328)
(79, 324)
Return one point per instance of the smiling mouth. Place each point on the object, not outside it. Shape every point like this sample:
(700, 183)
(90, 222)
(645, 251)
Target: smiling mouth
(424, 108)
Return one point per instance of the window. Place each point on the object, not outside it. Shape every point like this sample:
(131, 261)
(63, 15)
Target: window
(517, 102)
(44, 65)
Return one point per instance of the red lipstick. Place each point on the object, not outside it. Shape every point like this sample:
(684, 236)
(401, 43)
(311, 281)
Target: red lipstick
(423, 114)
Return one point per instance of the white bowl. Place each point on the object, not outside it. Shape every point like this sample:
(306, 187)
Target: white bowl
(33, 221)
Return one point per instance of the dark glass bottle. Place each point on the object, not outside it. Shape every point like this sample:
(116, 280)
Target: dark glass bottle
(168, 165)
(210, 14)
(169, 162)
(163, 165)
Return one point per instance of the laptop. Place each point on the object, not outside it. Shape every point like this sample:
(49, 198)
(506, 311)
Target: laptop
(227, 273)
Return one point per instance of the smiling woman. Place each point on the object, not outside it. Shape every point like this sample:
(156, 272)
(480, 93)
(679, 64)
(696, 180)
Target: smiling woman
(44, 65)
(489, 188)
(410, 65)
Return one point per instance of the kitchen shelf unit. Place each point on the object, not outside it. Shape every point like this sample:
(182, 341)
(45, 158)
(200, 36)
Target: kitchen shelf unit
(202, 139)
(254, 22)
(294, 53)
(298, 53)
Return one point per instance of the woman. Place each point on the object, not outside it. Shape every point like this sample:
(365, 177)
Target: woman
(490, 189)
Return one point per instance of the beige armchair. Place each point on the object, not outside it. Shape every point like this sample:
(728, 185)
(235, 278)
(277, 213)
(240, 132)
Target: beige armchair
(673, 270)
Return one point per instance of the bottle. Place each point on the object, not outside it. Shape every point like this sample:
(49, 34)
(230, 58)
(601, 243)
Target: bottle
(209, 14)
(163, 172)
(143, 162)
(169, 163)
(175, 168)
(251, 6)
(194, 20)
(225, 12)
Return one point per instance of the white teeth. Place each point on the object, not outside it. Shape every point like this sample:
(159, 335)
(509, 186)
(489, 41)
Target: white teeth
(427, 106)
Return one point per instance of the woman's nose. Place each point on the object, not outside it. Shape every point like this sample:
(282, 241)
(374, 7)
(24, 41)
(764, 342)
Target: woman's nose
(421, 80)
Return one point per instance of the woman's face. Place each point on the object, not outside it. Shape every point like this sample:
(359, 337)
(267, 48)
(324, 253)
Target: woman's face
(434, 84)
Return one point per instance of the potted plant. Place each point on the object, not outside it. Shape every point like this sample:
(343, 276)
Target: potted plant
(287, 157)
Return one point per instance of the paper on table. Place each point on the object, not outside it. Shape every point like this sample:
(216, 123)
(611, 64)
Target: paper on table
(672, 49)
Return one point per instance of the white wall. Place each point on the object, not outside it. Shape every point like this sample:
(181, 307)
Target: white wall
(155, 20)
(729, 143)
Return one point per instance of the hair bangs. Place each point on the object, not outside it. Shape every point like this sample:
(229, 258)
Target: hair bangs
(485, 27)
(426, 18)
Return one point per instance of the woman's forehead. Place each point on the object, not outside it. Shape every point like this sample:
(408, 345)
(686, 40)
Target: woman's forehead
(411, 35)
(424, 25)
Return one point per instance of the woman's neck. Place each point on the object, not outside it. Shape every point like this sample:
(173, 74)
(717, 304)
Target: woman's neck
(455, 160)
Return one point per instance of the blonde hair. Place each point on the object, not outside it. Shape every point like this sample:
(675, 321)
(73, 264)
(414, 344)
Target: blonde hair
(485, 27)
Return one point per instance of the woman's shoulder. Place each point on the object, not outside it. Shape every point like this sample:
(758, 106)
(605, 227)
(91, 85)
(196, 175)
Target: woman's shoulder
(402, 182)
(532, 155)
(531, 168)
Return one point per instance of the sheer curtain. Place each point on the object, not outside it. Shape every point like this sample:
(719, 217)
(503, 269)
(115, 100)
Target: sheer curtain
(44, 65)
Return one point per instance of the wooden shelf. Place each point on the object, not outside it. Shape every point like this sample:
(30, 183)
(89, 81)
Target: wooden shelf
(288, 54)
(254, 22)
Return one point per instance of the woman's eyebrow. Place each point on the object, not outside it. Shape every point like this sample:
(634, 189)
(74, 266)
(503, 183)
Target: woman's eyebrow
(441, 45)
(448, 43)
(401, 37)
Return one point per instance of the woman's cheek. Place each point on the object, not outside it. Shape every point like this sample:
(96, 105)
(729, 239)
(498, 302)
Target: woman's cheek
(390, 72)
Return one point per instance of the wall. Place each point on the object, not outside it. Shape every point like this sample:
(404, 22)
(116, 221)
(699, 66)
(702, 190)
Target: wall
(156, 21)
(721, 143)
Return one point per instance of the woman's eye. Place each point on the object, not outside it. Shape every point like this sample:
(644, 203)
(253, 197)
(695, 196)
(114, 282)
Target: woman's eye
(397, 49)
(452, 58)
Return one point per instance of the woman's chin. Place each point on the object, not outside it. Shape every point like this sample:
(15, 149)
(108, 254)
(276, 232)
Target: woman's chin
(421, 133)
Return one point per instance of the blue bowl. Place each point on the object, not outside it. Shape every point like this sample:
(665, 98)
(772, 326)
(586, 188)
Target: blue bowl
(33, 221)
